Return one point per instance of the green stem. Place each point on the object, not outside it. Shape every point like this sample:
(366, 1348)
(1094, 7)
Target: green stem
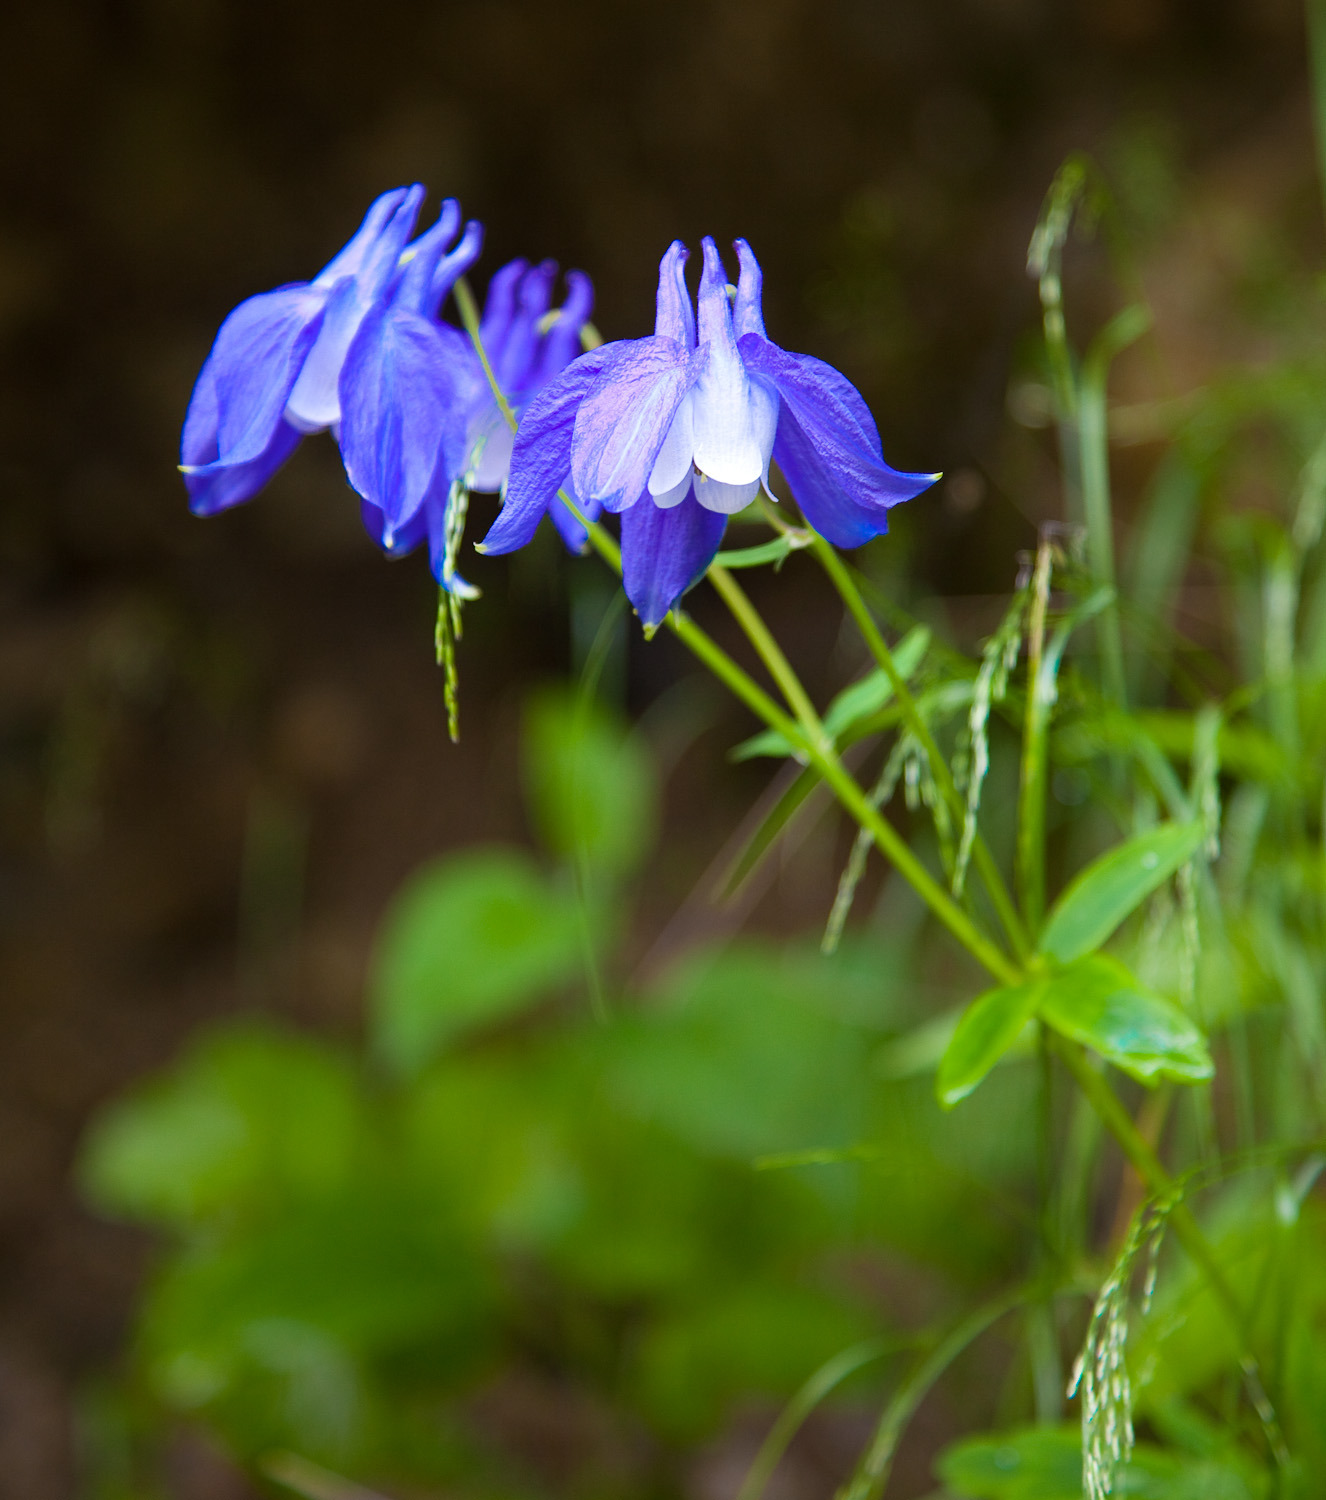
(872, 1473)
(822, 755)
(1094, 456)
(841, 578)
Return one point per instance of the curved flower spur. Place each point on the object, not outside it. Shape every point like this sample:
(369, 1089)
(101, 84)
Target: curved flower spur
(676, 432)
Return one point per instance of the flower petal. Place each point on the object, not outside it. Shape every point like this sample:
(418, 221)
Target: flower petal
(400, 424)
(561, 344)
(834, 467)
(515, 367)
(350, 260)
(541, 457)
(811, 380)
(214, 486)
(256, 361)
(673, 463)
(625, 417)
(748, 309)
(314, 401)
(734, 416)
(674, 317)
(454, 264)
(725, 499)
(419, 260)
(664, 552)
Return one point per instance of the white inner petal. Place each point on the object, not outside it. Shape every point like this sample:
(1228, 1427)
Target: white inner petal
(734, 423)
(726, 499)
(491, 441)
(315, 401)
(676, 494)
(673, 464)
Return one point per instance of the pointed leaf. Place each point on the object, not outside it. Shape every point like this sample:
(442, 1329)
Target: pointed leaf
(988, 1028)
(1097, 1002)
(1113, 886)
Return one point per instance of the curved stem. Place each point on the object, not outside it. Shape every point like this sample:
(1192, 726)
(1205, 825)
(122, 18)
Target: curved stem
(872, 1473)
(822, 755)
(841, 578)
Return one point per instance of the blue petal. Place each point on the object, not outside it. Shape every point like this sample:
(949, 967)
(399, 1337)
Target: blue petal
(350, 260)
(828, 448)
(664, 552)
(825, 388)
(561, 344)
(400, 420)
(674, 317)
(214, 486)
(454, 264)
(314, 402)
(514, 367)
(624, 419)
(255, 363)
(748, 309)
(398, 542)
(499, 308)
(541, 458)
(419, 260)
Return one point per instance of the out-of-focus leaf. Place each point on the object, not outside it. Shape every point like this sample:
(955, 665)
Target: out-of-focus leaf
(1045, 1463)
(988, 1028)
(856, 702)
(764, 837)
(277, 1328)
(758, 1339)
(249, 1118)
(1097, 1002)
(590, 783)
(1113, 886)
(745, 1055)
(471, 938)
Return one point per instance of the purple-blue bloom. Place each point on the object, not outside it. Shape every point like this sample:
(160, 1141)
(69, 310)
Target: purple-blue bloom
(676, 432)
(274, 372)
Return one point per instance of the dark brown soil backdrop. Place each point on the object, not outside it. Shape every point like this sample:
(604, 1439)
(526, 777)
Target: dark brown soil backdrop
(224, 741)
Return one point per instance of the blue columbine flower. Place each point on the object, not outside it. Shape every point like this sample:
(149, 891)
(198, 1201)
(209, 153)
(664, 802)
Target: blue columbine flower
(676, 432)
(276, 369)
(409, 375)
(527, 345)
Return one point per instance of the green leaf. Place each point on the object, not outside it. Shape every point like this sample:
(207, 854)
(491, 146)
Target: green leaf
(856, 702)
(775, 552)
(249, 1118)
(471, 938)
(1097, 1002)
(989, 1027)
(1113, 886)
(1045, 1463)
(590, 782)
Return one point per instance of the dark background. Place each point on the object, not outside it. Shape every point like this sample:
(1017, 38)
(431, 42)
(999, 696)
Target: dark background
(222, 743)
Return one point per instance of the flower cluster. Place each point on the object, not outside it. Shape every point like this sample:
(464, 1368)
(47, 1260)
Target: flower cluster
(673, 432)
(676, 432)
(361, 350)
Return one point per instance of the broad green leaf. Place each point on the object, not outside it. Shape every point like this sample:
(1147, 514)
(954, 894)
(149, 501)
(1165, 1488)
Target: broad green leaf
(248, 1119)
(1045, 1463)
(590, 783)
(989, 1027)
(471, 938)
(1097, 1002)
(856, 702)
(1113, 886)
